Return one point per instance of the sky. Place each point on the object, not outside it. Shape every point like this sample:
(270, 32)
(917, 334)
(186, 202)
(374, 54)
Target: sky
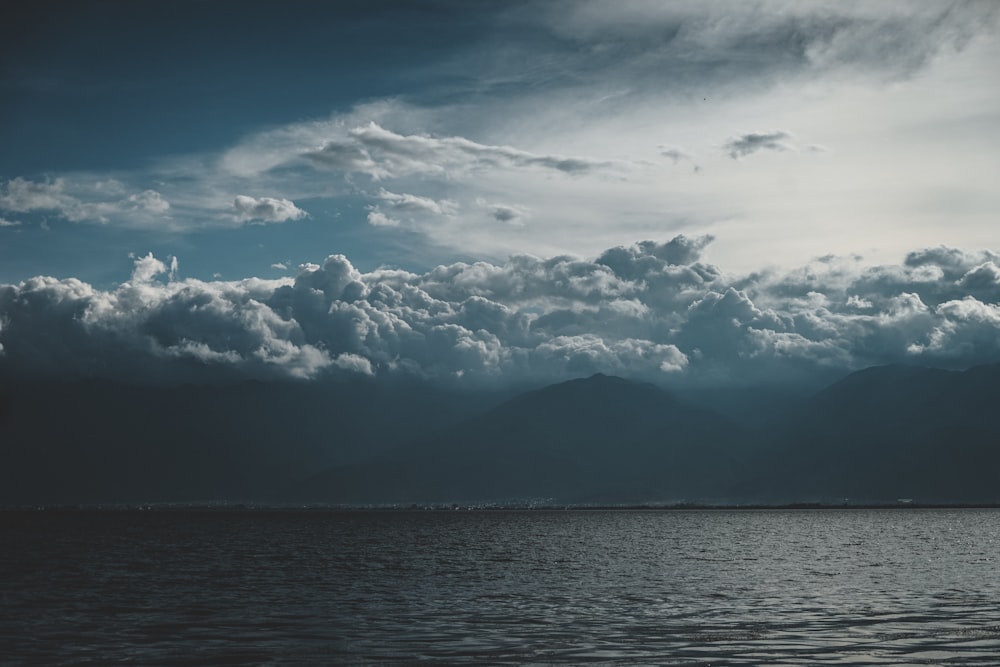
(687, 192)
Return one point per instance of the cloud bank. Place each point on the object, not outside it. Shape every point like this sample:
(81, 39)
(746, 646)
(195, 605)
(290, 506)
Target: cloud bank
(651, 310)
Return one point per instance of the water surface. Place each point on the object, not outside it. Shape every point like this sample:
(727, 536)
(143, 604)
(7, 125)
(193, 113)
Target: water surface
(670, 587)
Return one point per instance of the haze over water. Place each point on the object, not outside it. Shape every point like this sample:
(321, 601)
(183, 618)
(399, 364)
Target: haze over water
(502, 587)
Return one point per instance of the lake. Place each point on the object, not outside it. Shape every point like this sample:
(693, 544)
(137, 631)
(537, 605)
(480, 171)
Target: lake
(713, 587)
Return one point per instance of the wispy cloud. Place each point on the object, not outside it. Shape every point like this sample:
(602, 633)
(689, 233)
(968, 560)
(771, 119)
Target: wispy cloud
(400, 207)
(79, 202)
(679, 155)
(380, 152)
(376, 218)
(570, 142)
(762, 42)
(414, 204)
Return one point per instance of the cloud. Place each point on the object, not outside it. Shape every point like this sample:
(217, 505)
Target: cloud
(508, 214)
(985, 276)
(266, 209)
(149, 200)
(420, 150)
(413, 204)
(280, 266)
(153, 330)
(377, 218)
(82, 202)
(588, 353)
(147, 268)
(675, 154)
(374, 150)
(346, 156)
(654, 310)
(9, 223)
(762, 42)
(354, 363)
(753, 142)
(953, 260)
(504, 213)
(678, 155)
(22, 195)
(572, 137)
(647, 259)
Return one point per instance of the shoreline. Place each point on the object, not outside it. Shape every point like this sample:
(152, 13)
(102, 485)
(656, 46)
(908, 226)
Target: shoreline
(222, 507)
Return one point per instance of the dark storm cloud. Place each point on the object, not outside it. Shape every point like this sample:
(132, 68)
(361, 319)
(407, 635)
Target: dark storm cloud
(653, 310)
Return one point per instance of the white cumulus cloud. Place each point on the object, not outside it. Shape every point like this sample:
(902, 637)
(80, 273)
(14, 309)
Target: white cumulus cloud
(266, 209)
(654, 310)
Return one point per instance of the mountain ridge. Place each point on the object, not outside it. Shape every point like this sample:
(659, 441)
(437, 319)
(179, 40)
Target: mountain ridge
(578, 440)
(878, 434)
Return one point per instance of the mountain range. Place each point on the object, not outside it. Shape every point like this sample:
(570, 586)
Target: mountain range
(877, 435)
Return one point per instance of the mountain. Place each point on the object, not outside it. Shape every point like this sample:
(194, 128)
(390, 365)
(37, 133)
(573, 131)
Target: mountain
(885, 433)
(101, 441)
(599, 439)
(877, 435)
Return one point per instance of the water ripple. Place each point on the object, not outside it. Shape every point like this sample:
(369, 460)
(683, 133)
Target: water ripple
(685, 588)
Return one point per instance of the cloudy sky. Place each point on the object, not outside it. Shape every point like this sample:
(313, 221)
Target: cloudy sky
(688, 192)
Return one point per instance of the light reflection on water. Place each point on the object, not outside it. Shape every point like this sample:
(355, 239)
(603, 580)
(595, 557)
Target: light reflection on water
(671, 587)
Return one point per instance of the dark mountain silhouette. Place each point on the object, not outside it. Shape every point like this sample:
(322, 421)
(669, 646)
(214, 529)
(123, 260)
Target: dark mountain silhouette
(876, 435)
(100, 441)
(884, 433)
(600, 439)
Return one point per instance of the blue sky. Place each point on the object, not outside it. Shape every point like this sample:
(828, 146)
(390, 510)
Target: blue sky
(802, 153)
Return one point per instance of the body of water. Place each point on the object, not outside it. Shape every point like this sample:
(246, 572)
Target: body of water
(501, 587)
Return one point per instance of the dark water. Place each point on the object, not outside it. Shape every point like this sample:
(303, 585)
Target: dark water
(619, 587)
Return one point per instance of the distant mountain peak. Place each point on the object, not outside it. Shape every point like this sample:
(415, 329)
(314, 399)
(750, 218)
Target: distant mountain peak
(601, 379)
(600, 384)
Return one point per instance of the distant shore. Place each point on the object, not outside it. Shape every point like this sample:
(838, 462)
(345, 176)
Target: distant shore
(483, 507)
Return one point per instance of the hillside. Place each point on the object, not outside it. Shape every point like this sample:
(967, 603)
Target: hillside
(598, 439)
